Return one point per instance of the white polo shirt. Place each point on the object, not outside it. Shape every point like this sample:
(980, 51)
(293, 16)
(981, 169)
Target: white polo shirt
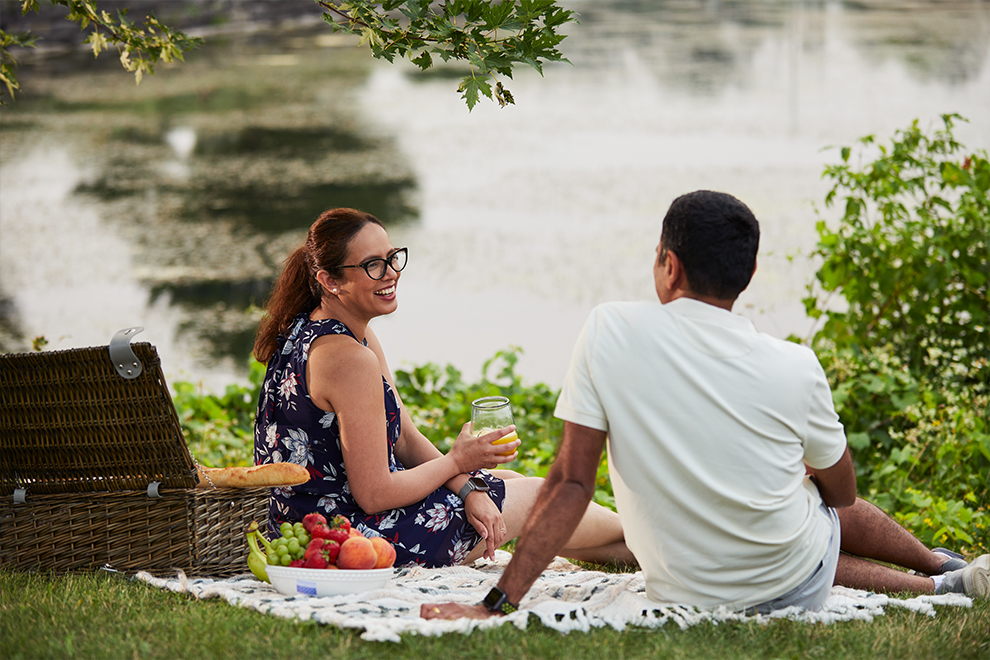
(709, 426)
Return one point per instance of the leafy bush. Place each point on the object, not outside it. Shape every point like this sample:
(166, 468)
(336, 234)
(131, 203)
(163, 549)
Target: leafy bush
(439, 402)
(908, 356)
(219, 430)
(910, 253)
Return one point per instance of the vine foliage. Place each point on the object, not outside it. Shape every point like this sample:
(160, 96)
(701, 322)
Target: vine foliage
(492, 38)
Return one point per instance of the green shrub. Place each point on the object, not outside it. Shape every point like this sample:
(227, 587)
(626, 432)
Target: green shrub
(439, 402)
(907, 356)
(219, 430)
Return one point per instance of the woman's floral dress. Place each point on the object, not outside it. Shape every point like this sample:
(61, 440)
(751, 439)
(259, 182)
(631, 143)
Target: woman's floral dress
(289, 427)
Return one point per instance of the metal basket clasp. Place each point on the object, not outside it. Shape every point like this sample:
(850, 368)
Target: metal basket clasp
(123, 358)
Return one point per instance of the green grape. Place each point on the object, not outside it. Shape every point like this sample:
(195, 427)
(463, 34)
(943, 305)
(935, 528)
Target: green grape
(282, 551)
(286, 526)
(304, 539)
(293, 546)
(298, 528)
(285, 560)
(272, 557)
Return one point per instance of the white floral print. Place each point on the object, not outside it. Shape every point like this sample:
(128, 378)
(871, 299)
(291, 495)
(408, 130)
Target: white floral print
(288, 385)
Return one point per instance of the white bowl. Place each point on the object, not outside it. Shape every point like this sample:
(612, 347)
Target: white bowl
(291, 581)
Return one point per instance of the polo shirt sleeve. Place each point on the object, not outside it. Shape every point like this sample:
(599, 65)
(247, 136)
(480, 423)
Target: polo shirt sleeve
(825, 441)
(578, 401)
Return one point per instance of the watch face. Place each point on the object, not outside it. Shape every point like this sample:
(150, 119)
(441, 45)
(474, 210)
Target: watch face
(491, 600)
(479, 483)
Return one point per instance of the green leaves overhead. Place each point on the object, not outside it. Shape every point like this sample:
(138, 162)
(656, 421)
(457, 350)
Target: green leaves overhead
(491, 37)
(140, 48)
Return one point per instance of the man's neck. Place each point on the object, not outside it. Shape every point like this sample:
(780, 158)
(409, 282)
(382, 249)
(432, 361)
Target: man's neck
(710, 300)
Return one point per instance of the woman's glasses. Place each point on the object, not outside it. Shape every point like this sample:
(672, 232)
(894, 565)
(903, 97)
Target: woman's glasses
(376, 268)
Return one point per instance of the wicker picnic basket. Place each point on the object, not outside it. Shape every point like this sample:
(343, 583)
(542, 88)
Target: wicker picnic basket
(95, 472)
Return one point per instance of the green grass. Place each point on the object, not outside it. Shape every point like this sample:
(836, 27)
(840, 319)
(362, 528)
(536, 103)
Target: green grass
(93, 616)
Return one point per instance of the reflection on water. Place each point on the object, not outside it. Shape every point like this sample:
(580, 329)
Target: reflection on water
(170, 205)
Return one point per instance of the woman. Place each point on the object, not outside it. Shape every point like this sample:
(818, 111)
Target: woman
(329, 403)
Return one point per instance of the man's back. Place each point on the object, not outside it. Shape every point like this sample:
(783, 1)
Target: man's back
(709, 425)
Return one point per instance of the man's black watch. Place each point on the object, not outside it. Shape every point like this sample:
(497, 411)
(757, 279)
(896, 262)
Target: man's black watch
(497, 601)
(473, 483)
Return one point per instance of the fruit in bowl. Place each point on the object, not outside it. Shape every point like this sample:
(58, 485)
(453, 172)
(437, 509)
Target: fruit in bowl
(318, 544)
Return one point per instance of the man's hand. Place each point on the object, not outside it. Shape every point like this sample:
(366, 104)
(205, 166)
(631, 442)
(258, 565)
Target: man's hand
(454, 611)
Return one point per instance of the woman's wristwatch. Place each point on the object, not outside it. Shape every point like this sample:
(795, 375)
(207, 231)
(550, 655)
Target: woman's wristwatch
(473, 483)
(496, 601)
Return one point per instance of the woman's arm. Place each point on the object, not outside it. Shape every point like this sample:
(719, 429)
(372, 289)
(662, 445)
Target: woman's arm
(413, 448)
(346, 377)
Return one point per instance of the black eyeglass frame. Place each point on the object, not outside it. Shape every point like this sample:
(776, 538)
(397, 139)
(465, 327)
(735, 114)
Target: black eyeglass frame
(389, 262)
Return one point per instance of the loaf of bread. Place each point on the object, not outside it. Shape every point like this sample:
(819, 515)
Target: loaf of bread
(272, 475)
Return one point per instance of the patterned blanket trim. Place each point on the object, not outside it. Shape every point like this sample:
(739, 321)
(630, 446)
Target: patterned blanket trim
(566, 598)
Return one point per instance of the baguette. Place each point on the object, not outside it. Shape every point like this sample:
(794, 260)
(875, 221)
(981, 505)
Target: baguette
(273, 475)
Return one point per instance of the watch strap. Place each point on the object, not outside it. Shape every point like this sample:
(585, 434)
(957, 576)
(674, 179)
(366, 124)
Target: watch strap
(470, 485)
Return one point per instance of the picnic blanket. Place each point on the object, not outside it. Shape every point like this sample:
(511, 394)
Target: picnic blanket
(566, 598)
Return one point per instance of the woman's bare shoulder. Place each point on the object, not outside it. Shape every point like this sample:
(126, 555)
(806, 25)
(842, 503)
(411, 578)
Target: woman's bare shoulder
(341, 353)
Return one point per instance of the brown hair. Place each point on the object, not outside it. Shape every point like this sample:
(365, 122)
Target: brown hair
(297, 290)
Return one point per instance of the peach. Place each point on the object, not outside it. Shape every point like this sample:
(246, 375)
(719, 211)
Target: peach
(357, 552)
(386, 553)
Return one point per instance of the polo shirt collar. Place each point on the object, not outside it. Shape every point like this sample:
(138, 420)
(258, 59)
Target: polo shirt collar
(711, 329)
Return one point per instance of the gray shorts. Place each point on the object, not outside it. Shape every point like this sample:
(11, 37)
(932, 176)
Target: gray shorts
(810, 594)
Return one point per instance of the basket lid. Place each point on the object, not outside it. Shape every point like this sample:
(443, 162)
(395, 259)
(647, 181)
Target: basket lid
(70, 423)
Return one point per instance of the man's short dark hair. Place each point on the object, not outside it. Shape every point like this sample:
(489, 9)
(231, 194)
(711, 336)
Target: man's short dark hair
(716, 237)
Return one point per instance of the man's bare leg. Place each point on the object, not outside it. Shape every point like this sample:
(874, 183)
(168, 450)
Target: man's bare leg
(857, 573)
(870, 533)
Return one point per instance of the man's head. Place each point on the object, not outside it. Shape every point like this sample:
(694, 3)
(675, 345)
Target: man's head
(715, 237)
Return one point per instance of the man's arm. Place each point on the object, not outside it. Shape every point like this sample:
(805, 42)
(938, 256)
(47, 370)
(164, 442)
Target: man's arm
(562, 502)
(837, 484)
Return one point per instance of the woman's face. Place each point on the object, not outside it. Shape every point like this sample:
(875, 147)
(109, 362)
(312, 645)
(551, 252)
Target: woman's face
(356, 290)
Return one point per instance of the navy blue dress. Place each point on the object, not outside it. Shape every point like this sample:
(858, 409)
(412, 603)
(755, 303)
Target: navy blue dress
(290, 427)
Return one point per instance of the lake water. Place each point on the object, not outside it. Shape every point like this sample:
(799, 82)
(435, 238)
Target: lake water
(169, 205)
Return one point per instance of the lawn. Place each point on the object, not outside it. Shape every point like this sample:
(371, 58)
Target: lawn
(97, 616)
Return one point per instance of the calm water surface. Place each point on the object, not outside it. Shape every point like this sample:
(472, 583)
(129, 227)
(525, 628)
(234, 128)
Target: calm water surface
(170, 205)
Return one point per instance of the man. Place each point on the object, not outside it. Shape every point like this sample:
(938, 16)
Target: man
(730, 468)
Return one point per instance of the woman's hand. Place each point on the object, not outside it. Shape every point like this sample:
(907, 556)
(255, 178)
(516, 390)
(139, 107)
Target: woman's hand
(475, 453)
(484, 515)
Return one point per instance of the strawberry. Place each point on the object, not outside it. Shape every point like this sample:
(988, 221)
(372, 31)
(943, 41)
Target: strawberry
(315, 560)
(314, 546)
(325, 548)
(338, 535)
(297, 563)
(341, 522)
(311, 520)
(320, 532)
(340, 529)
(331, 549)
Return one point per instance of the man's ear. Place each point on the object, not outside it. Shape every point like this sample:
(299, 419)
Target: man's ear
(676, 278)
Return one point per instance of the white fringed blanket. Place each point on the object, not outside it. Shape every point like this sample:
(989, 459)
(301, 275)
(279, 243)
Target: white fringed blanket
(565, 598)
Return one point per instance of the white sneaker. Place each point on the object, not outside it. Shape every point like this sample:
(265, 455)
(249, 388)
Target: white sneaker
(974, 580)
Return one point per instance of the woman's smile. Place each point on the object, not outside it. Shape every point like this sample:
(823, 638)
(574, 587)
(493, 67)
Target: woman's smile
(388, 292)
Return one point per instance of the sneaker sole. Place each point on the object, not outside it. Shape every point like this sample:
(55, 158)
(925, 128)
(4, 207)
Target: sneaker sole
(976, 578)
